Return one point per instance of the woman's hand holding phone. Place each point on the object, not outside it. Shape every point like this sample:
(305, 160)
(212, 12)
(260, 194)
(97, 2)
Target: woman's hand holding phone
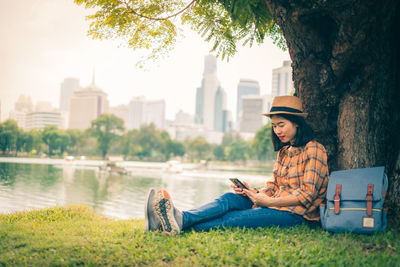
(239, 189)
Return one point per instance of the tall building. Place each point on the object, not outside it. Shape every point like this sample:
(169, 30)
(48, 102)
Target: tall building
(282, 83)
(198, 119)
(24, 103)
(182, 118)
(219, 108)
(19, 117)
(87, 105)
(227, 121)
(245, 87)
(41, 119)
(142, 112)
(251, 119)
(122, 112)
(155, 113)
(22, 107)
(205, 95)
(43, 115)
(136, 112)
(68, 87)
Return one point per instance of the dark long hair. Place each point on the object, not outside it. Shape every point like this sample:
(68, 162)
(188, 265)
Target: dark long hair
(304, 133)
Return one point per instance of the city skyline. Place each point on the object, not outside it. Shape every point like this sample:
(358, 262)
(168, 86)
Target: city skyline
(46, 42)
(75, 98)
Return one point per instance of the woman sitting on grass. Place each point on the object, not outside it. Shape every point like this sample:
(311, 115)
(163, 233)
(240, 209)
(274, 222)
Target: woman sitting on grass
(300, 178)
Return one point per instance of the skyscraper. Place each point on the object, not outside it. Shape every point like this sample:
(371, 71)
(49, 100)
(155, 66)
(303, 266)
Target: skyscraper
(251, 119)
(198, 119)
(155, 113)
(219, 107)
(122, 112)
(136, 112)
(28, 117)
(206, 94)
(282, 83)
(24, 103)
(86, 105)
(68, 87)
(142, 112)
(226, 121)
(182, 118)
(22, 107)
(245, 87)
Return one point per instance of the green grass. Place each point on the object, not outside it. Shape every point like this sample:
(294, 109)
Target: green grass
(75, 235)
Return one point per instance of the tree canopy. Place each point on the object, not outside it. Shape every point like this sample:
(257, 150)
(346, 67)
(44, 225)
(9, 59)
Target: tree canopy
(105, 128)
(262, 142)
(9, 133)
(146, 143)
(157, 25)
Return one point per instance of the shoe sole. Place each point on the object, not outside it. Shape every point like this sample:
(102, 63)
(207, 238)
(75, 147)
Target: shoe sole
(164, 210)
(146, 215)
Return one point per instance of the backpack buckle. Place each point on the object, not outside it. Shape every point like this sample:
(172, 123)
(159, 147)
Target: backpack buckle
(337, 198)
(369, 199)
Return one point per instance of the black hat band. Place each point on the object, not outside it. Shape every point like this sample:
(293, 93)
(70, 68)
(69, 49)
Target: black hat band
(285, 109)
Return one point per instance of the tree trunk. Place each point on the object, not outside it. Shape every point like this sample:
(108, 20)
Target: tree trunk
(346, 57)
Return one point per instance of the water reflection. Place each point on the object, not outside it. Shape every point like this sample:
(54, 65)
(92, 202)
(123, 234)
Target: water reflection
(28, 186)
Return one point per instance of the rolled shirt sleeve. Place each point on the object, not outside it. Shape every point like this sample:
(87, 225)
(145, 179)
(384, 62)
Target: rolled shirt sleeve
(271, 186)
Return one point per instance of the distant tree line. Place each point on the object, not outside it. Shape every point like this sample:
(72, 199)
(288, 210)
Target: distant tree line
(107, 136)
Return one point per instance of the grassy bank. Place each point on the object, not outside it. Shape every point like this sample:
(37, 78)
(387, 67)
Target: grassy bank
(76, 235)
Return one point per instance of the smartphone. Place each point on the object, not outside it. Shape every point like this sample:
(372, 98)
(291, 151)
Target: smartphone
(238, 183)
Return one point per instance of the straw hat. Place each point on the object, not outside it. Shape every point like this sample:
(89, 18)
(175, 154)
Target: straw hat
(286, 105)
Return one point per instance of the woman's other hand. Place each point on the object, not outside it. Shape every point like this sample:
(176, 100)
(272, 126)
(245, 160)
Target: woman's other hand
(260, 199)
(263, 200)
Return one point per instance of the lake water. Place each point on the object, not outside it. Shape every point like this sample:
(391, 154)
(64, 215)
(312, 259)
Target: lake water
(33, 185)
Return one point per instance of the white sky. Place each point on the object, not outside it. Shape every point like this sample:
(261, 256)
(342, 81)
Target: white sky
(45, 41)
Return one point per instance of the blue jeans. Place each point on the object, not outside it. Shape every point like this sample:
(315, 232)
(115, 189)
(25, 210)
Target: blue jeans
(231, 210)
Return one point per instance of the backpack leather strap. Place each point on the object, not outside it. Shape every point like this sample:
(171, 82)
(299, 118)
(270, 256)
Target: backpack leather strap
(337, 198)
(369, 199)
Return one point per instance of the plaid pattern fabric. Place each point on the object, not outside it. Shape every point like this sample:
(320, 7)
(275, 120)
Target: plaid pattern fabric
(303, 172)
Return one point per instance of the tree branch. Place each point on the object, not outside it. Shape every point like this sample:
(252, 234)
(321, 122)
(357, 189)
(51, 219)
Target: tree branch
(165, 18)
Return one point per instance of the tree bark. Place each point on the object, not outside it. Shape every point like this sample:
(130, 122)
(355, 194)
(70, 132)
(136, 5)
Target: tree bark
(345, 59)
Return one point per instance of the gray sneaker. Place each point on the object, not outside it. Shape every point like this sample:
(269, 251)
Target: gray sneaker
(151, 223)
(169, 216)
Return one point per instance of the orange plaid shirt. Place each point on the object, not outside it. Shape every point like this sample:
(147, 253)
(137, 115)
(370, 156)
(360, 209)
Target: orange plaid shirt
(302, 172)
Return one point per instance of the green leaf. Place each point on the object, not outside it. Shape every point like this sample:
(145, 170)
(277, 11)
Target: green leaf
(150, 24)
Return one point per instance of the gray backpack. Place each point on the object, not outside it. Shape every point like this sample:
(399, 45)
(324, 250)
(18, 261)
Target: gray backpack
(354, 201)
